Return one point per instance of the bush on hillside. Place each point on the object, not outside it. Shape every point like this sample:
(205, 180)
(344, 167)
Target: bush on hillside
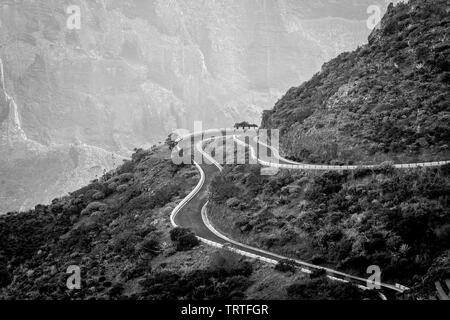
(150, 245)
(184, 239)
(5, 277)
(93, 207)
(221, 189)
(325, 289)
(286, 266)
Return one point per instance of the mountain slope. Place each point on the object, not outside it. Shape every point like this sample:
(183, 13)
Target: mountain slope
(118, 231)
(388, 100)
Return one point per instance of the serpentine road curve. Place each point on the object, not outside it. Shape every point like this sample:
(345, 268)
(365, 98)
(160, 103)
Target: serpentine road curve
(192, 211)
(292, 165)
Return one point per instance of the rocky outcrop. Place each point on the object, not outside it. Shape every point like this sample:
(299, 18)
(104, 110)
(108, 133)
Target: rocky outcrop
(31, 172)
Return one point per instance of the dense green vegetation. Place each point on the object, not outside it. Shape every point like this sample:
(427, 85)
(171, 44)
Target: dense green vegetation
(388, 100)
(399, 220)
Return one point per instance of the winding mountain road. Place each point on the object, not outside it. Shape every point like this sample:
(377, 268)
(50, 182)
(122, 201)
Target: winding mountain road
(192, 211)
(284, 163)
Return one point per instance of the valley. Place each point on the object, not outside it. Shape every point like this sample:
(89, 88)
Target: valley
(136, 70)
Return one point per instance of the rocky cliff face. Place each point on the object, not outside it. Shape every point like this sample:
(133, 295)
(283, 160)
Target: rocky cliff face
(10, 127)
(138, 69)
(388, 100)
(31, 172)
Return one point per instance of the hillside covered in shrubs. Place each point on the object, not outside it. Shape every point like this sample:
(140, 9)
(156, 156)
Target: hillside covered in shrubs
(388, 100)
(398, 220)
(117, 230)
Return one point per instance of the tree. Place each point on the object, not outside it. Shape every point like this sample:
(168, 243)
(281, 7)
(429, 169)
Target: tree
(184, 239)
(286, 266)
(170, 142)
(244, 125)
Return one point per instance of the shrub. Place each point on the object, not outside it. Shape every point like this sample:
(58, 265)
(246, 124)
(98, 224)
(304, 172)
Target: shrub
(116, 290)
(138, 155)
(302, 114)
(127, 167)
(225, 263)
(224, 260)
(324, 289)
(184, 239)
(236, 285)
(170, 142)
(422, 53)
(318, 259)
(318, 273)
(140, 268)
(125, 243)
(324, 186)
(150, 245)
(197, 284)
(286, 266)
(222, 190)
(93, 207)
(444, 77)
(5, 277)
(163, 195)
(362, 173)
(98, 195)
(112, 186)
(386, 168)
(233, 202)
(124, 178)
(122, 188)
(445, 169)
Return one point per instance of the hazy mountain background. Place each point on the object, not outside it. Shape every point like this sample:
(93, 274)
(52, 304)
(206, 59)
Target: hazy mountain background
(73, 102)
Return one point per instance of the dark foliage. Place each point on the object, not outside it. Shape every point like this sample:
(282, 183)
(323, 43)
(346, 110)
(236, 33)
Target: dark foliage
(397, 219)
(324, 289)
(5, 277)
(286, 266)
(227, 278)
(184, 239)
(108, 228)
